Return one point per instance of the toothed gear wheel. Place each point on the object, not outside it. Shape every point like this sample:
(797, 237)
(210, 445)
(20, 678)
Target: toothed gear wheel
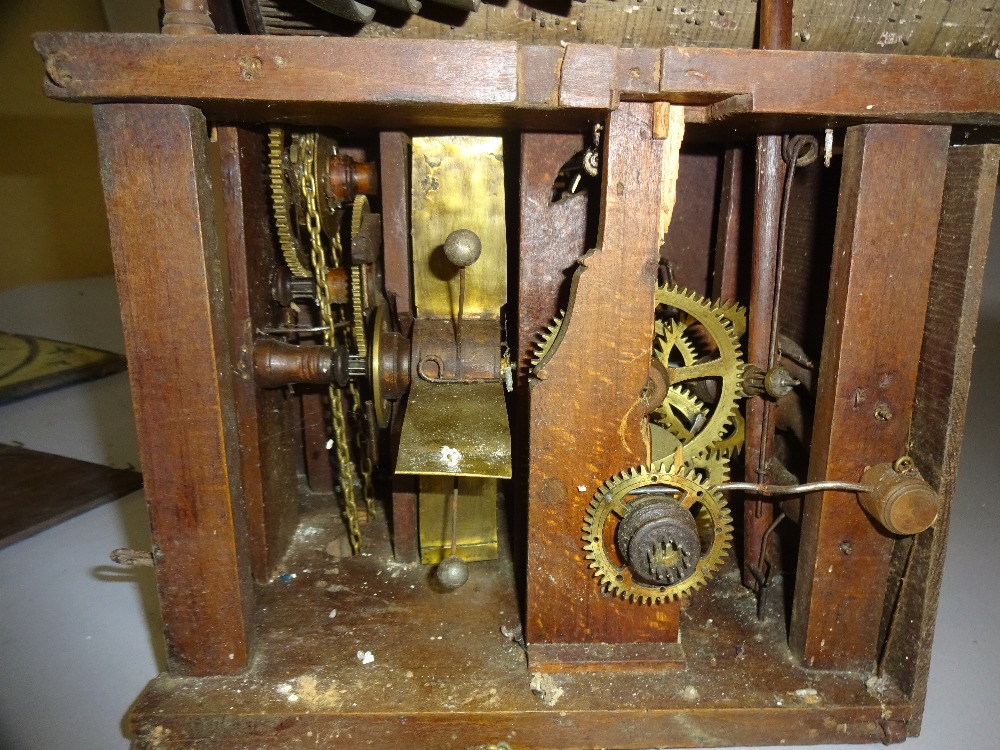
(658, 534)
(672, 347)
(291, 249)
(722, 361)
(711, 468)
(547, 342)
(358, 281)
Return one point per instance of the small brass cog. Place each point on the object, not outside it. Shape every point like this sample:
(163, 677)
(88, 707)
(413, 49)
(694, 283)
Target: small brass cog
(672, 347)
(547, 342)
(613, 502)
(711, 468)
(721, 363)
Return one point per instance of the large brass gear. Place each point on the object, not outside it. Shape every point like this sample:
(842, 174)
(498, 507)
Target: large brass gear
(612, 502)
(291, 248)
(721, 362)
(358, 282)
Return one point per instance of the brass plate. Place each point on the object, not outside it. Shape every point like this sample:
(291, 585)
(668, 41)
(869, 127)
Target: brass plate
(476, 529)
(458, 184)
(456, 429)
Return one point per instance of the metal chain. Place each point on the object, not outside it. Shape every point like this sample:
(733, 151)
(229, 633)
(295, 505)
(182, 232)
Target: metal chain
(360, 439)
(313, 223)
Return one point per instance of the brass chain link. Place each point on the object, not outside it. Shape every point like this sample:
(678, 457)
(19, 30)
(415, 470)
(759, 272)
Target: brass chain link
(307, 184)
(361, 440)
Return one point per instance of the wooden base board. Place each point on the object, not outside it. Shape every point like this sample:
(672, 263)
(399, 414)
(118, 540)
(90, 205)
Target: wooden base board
(604, 657)
(442, 673)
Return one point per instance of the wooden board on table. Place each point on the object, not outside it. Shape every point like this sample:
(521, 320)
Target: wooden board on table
(40, 490)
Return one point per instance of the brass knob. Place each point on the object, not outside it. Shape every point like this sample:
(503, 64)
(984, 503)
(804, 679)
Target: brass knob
(900, 500)
(463, 247)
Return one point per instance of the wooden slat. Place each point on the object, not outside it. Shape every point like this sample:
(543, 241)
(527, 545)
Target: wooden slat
(941, 397)
(262, 68)
(265, 416)
(166, 252)
(888, 88)
(394, 166)
(726, 269)
(890, 199)
(688, 245)
(601, 363)
(397, 82)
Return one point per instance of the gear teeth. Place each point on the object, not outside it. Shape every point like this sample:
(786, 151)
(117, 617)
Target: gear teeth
(279, 202)
(724, 323)
(736, 314)
(596, 545)
(547, 341)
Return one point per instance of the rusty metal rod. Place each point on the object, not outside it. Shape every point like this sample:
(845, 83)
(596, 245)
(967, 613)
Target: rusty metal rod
(775, 32)
(766, 490)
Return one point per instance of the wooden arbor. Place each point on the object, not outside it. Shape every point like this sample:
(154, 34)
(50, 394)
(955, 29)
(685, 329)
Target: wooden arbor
(222, 513)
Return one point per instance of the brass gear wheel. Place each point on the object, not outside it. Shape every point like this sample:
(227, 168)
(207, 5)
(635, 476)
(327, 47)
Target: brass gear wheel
(711, 468)
(358, 282)
(291, 249)
(610, 506)
(723, 361)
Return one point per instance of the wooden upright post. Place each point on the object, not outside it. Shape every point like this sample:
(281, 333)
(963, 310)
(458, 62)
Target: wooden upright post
(162, 219)
(600, 367)
(890, 200)
(264, 414)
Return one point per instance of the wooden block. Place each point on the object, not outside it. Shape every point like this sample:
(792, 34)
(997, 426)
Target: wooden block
(265, 416)
(941, 397)
(601, 364)
(161, 214)
(40, 490)
(890, 199)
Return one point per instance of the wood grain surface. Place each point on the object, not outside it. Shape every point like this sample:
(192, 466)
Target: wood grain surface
(166, 251)
(887, 227)
(933, 27)
(266, 416)
(600, 366)
(358, 81)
